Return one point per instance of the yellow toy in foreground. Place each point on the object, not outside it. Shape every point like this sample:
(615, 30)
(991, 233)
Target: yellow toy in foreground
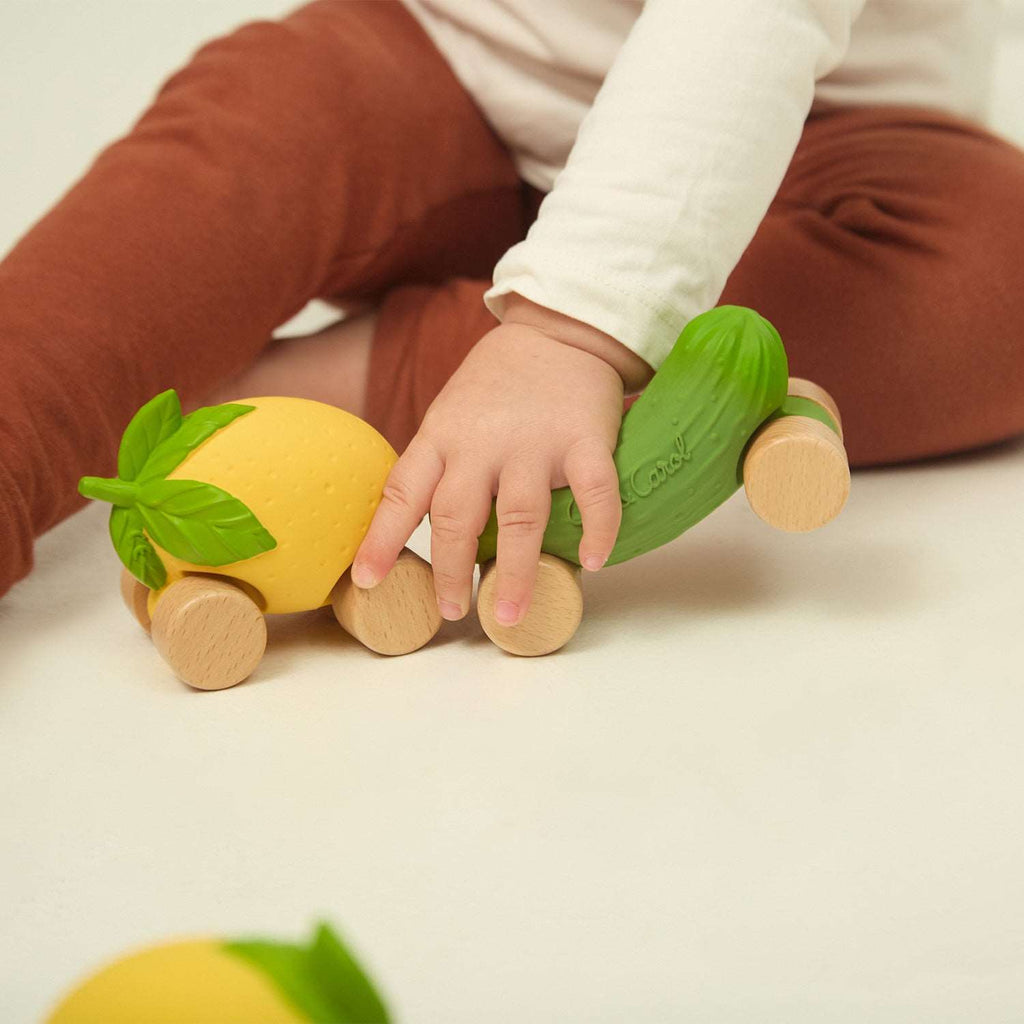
(228, 981)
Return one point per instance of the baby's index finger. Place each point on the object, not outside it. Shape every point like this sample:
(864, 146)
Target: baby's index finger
(404, 502)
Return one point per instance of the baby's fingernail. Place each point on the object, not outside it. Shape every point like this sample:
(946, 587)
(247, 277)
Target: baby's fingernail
(594, 562)
(506, 613)
(449, 610)
(363, 576)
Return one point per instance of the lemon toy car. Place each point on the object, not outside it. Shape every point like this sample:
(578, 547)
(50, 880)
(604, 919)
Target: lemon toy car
(258, 506)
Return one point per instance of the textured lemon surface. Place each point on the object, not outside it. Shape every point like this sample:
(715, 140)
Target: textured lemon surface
(182, 983)
(313, 475)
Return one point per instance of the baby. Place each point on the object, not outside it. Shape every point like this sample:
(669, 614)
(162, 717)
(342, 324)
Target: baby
(822, 161)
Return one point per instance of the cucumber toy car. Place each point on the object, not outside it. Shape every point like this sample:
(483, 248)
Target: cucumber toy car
(259, 506)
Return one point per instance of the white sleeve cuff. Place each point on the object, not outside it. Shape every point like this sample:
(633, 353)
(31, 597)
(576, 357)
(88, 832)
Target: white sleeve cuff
(638, 318)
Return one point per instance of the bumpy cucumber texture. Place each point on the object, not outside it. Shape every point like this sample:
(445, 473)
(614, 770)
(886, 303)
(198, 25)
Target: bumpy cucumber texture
(680, 448)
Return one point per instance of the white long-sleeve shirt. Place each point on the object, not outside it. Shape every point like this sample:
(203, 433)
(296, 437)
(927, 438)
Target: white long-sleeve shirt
(663, 129)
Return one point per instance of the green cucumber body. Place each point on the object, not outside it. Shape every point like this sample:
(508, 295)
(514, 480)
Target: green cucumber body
(680, 447)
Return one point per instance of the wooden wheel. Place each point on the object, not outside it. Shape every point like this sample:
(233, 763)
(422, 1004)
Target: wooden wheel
(554, 614)
(136, 598)
(210, 632)
(397, 616)
(795, 472)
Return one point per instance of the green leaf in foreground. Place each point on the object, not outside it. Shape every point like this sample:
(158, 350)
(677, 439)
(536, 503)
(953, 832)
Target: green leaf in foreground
(195, 428)
(156, 421)
(322, 980)
(134, 550)
(201, 523)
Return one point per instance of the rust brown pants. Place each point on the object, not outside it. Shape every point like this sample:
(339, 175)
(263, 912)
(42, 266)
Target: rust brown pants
(334, 154)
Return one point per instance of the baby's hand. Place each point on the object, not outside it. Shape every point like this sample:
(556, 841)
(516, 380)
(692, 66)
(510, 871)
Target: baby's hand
(535, 405)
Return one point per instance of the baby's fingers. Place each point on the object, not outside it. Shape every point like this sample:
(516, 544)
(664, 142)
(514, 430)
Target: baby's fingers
(404, 502)
(523, 508)
(591, 474)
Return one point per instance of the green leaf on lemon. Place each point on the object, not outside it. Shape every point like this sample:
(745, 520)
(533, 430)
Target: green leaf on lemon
(322, 980)
(194, 429)
(194, 521)
(134, 550)
(156, 421)
(200, 523)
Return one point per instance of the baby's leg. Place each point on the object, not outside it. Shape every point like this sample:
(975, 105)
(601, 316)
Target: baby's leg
(891, 262)
(333, 153)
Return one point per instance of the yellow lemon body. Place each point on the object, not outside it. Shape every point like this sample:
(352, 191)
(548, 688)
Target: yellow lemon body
(313, 475)
(198, 982)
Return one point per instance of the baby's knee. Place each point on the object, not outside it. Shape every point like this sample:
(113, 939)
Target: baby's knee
(931, 358)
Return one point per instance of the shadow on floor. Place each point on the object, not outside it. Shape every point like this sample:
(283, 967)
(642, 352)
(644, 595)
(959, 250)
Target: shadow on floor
(741, 579)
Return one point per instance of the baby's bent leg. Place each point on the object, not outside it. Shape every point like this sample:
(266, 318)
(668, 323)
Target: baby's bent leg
(328, 366)
(331, 153)
(890, 264)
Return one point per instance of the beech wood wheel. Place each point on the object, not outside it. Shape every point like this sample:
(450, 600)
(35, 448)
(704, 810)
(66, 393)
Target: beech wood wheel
(136, 598)
(397, 616)
(795, 472)
(210, 632)
(551, 620)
